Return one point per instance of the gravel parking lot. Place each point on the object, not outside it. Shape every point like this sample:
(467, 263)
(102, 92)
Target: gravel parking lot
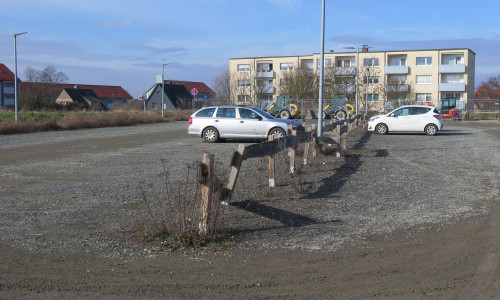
(68, 193)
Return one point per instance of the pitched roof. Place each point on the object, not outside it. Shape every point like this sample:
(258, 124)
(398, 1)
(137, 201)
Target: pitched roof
(80, 95)
(200, 86)
(6, 74)
(100, 91)
(177, 92)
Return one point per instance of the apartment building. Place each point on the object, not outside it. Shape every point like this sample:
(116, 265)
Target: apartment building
(382, 76)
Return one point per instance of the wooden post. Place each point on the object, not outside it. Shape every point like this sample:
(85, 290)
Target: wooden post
(205, 178)
(314, 139)
(272, 182)
(291, 153)
(337, 137)
(236, 161)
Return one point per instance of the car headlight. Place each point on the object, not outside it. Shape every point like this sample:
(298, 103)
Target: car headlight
(372, 119)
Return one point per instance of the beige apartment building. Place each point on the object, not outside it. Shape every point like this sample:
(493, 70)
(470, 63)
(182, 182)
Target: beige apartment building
(397, 77)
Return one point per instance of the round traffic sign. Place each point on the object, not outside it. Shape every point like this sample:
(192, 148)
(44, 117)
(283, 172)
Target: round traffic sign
(194, 92)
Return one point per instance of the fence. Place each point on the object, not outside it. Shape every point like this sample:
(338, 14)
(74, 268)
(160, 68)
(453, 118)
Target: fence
(334, 136)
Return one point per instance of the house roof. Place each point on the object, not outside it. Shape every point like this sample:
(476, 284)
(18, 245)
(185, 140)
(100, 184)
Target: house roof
(100, 91)
(6, 74)
(200, 86)
(177, 91)
(82, 95)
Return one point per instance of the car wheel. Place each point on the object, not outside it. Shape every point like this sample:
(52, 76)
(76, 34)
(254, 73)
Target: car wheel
(431, 129)
(285, 114)
(381, 129)
(210, 135)
(341, 115)
(325, 115)
(277, 133)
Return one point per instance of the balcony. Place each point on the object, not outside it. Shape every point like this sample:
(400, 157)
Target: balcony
(452, 87)
(268, 89)
(458, 68)
(396, 70)
(264, 74)
(347, 71)
(402, 87)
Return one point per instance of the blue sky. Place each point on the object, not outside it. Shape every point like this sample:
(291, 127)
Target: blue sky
(125, 42)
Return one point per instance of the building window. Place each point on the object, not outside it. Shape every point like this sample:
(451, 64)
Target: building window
(309, 65)
(424, 97)
(328, 62)
(9, 96)
(371, 80)
(153, 106)
(453, 78)
(424, 61)
(370, 62)
(396, 79)
(345, 62)
(457, 96)
(283, 81)
(243, 98)
(424, 79)
(264, 67)
(453, 60)
(286, 66)
(244, 83)
(397, 61)
(243, 68)
(373, 97)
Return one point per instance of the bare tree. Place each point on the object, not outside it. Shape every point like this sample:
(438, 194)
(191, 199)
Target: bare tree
(397, 89)
(298, 83)
(371, 83)
(222, 85)
(52, 76)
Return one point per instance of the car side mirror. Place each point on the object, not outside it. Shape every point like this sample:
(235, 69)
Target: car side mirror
(391, 115)
(259, 118)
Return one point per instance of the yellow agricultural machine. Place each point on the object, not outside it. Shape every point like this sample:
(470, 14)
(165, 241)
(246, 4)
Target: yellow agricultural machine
(337, 108)
(283, 108)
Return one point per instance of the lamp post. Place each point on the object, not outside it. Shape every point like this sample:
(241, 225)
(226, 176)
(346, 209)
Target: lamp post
(163, 88)
(15, 73)
(321, 72)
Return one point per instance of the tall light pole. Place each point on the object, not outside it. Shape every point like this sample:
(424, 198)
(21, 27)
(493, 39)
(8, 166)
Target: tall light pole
(357, 73)
(163, 88)
(15, 73)
(321, 72)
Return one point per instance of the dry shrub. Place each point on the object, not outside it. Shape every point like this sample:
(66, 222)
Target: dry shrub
(10, 126)
(173, 212)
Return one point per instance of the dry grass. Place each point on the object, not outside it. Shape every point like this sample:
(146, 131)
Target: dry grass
(77, 120)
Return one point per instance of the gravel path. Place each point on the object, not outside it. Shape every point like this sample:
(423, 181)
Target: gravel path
(76, 190)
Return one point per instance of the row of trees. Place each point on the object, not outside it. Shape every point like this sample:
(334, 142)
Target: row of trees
(302, 83)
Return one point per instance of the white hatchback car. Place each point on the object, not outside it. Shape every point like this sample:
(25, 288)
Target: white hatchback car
(408, 118)
(236, 122)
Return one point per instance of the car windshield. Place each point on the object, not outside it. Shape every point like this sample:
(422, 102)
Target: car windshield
(265, 114)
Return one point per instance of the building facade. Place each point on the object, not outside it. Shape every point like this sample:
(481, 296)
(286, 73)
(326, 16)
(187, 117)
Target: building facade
(7, 90)
(382, 76)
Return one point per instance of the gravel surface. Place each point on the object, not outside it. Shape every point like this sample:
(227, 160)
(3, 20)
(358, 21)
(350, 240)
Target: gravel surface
(77, 190)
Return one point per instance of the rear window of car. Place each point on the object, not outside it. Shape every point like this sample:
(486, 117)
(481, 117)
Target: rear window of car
(206, 112)
(228, 112)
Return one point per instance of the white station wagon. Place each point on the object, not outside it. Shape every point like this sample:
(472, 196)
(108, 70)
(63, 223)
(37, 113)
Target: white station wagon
(408, 118)
(213, 123)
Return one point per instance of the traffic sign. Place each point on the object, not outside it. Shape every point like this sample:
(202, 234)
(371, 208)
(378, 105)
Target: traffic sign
(194, 92)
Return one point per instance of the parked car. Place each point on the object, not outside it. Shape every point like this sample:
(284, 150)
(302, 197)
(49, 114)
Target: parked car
(408, 118)
(236, 122)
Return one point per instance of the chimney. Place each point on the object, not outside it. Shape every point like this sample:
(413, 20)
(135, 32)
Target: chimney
(364, 49)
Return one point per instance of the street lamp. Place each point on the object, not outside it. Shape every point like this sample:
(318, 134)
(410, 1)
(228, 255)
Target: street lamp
(321, 72)
(163, 87)
(15, 73)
